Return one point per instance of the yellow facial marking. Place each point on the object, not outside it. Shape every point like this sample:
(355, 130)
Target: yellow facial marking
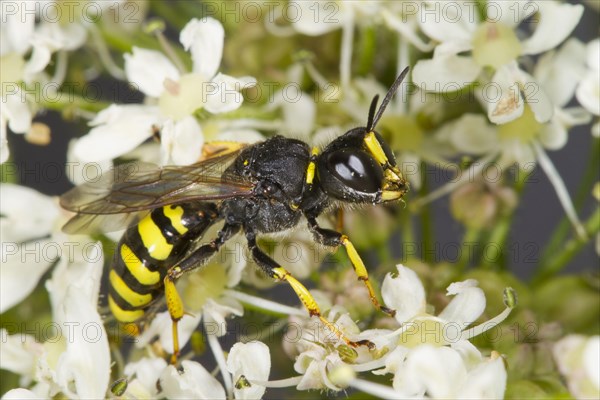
(389, 195)
(137, 268)
(375, 148)
(153, 239)
(131, 297)
(175, 215)
(124, 315)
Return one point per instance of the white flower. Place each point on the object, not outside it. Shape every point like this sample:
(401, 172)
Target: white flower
(588, 91)
(250, 361)
(405, 293)
(320, 17)
(247, 362)
(77, 361)
(495, 44)
(523, 140)
(142, 376)
(176, 97)
(578, 360)
(27, 218)
(194, 382)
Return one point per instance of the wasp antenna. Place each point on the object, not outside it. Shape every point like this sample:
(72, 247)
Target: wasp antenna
(387, 99)
(372, 108)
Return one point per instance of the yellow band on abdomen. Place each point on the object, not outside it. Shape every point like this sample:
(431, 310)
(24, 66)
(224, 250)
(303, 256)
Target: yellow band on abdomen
(131, 297)
(124, 315)
(137, 268)
(153, 239)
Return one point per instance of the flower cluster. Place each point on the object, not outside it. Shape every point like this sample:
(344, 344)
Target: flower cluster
(494, 86)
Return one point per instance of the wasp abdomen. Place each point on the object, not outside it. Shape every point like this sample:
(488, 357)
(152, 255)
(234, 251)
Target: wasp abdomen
(147, 250)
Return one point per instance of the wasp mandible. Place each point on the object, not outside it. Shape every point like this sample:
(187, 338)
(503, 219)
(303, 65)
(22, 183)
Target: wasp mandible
(261, 188)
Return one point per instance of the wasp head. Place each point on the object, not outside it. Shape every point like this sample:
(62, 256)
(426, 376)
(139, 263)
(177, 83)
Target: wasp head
(359, 166)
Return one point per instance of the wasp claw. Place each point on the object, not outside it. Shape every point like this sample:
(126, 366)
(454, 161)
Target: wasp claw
(388, 311)
(367, 343)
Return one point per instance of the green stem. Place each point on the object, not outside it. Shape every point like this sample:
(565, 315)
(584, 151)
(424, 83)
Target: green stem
(583, 192)
(498, 237)
(406, 230)
(499, 233)
(427, 234)
(171, 12)
(366, 50)
(67, 102)
(472, 235)
(566, 253)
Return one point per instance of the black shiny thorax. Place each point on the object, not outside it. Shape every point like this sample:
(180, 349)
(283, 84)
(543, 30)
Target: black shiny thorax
(278, 167)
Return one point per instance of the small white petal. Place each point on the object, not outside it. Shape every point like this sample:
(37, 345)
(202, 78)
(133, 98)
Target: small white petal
(204, 39)
(4, 151)
(504, 100)
(147, 371)
(148, 69)
(21, 394)
(39, 60)
(195, 382)
(223, 93)
(591, 360)
(17, 29)
(60, 36)
(79, 171)
(457, 22)
(26, 213)
(469, 353)
(405, 27)
(588, 92)
(445, 74)
(253, 361)
(577, 360)
(553, 135)
(404, 293)
(312, 17)
(16, 111)
(161, 326)
(487, 381)
(86, 337)
(466, 306)
(509, 13)
(557, 21)
(560, 72)
(241, 135)
(435, 371)
(471, 133)
(536, 97)
(117, 130)
(18, 353)
(593, 54)
(181, 141)
(22, 267)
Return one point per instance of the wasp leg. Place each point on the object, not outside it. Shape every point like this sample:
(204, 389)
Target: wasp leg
(275, 271)
(193, 261)
(328, 237)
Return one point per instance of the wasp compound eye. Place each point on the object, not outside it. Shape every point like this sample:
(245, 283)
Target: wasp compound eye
(349, 173)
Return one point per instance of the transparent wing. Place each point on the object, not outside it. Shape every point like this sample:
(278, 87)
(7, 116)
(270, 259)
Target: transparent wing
(124, 194)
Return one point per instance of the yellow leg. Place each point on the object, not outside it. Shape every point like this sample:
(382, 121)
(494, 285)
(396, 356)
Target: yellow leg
(175, 307)
(361, 272)
(312, 307)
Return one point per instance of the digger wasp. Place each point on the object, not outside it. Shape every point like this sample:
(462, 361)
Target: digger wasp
(260, 188)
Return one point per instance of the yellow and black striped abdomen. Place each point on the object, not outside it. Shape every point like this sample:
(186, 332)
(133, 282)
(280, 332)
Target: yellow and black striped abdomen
(146, 252)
